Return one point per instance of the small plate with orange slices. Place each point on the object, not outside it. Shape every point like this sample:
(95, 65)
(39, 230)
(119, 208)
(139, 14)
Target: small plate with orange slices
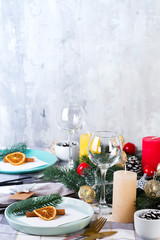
(16, 163)
(78, 215)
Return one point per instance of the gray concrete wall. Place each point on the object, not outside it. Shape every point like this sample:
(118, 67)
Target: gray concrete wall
(104, 53)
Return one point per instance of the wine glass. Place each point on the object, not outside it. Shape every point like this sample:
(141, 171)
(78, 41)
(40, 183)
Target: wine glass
(104, 150)
(70, 118)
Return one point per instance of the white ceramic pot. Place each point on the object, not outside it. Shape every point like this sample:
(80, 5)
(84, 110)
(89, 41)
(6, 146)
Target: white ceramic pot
(62, 152)
(146, 229)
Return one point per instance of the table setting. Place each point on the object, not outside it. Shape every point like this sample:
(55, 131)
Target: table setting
(105, 187)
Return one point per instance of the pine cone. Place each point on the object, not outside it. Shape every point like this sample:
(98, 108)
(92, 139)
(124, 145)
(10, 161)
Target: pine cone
(133, 164)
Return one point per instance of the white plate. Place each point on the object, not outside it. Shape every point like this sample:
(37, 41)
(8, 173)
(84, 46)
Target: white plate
(48, 158)
(47, 228)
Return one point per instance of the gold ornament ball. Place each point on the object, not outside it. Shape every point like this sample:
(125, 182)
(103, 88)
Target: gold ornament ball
(158, 170)
(152, 189)
(87, 194)
(122, 161)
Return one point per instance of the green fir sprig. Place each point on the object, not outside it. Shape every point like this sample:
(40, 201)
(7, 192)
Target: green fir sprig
(30, 204)
(66, 176)
(73, 181)
(19, 147)
(144, 202)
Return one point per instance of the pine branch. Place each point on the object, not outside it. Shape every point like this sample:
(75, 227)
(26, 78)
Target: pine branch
(30, 204)
(144, 202)
(138, 154)
(91, 177)
(19, 147)
(109, 192)
(158, 178)
(69, 177)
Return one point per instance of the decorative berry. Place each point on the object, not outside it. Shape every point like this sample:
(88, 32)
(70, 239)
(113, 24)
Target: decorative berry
(81, 167)
(149, 170)
(133, 164)
(129, 148)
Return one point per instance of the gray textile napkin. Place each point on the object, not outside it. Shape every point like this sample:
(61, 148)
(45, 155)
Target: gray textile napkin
(40, 189)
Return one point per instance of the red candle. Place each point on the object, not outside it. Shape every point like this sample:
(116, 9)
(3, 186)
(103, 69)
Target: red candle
(150, 151)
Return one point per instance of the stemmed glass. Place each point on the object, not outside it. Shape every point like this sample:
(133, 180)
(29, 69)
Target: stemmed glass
(104, 150)
(70, 118)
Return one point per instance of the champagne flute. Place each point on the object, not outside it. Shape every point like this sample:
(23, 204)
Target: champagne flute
(70, 119)
(104, 150)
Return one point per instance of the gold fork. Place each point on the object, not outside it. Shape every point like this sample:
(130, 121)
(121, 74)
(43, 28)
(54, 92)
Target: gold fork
(93, 229)
(96, 227)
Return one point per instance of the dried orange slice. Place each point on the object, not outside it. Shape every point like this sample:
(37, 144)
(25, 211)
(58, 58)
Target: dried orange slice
(46, 213)
(16, 158)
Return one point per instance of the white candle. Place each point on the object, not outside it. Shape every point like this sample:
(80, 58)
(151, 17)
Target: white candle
(124, 196)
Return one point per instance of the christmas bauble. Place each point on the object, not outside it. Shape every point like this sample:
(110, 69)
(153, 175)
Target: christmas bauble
(149, 170)
(158, 170)
(122, 160)
(81, 168)
(152, 189)
(87, 194)
(133, 164)
(129, 148)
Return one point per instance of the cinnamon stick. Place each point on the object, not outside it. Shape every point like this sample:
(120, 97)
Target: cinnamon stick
(27, 160)
(58, 212)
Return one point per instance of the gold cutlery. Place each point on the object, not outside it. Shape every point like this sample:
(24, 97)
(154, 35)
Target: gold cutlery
(93, 229)
(100, 235)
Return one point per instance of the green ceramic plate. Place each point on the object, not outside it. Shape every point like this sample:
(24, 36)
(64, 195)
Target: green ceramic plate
(47, 157)
(75, 204)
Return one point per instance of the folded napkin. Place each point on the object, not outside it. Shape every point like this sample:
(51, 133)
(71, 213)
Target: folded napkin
(40, 189)
(71, 215)
(28, 165)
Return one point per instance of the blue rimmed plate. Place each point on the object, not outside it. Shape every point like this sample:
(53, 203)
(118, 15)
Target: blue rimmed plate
(46, 157)
(17, 222)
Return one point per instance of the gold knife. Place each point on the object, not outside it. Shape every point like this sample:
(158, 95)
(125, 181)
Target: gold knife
(100, 235)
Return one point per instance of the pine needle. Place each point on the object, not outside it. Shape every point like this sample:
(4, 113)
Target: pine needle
(19, 147)
(72, 180)
(69, 177)
(144, 202)
(30, 204)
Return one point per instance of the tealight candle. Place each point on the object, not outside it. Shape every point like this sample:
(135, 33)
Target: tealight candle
(124, 196)
(150, 151)
(84, 140)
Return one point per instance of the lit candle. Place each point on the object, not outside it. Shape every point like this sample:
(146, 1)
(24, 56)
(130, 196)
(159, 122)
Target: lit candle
(84, 140)
(150, 151)
(124, 196)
